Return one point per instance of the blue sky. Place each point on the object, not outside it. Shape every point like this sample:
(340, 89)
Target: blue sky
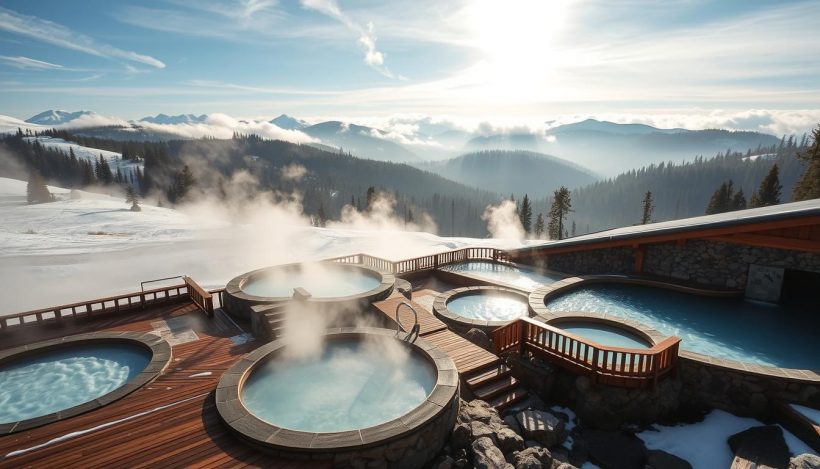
(740, 64)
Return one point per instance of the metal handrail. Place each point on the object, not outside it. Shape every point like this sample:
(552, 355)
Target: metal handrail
(414, 331)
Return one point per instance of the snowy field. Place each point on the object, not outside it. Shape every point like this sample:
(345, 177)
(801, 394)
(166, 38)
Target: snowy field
(77, 249)
(92, 155)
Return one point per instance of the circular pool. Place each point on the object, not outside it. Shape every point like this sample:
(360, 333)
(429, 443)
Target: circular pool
(608, 333)
(724, 328)
(513, 275)
(48, 381)
(325, 282)
(364, 390)
(484, 308)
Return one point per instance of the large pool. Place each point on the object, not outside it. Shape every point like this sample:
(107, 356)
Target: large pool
(731, 329)
(489, 307)
(517, 276)
(353, 384)
(65, 377)
(320, 280)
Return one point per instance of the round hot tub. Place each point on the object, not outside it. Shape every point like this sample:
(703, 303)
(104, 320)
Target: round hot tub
(324, 282)
(365, 390)
(484, 308)
(53, 380)
(604, 332)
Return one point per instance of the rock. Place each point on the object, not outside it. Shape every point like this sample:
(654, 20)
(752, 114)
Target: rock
(487, 456)
(615, 450)
(658, 459)
(763, 446)
(477, 410)
(532, 458)
(444, 462)
(512, 422)
(481, 430)
(479, 338)
(805, 461)
(542, 427)
(461, 437)
(508, 440)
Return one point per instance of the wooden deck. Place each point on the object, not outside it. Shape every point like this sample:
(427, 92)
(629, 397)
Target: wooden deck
(171, 422)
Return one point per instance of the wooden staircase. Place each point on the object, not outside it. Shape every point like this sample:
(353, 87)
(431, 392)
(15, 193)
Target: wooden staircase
(495, 384)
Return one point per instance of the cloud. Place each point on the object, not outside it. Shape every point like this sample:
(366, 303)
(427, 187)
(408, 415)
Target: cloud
(223, 126)
(294, 172)
(61, 36)
(26, 63)
(367, 33)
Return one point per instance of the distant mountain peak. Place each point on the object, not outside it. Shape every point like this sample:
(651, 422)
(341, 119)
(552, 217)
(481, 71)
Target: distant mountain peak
(57, 117)
(594, 125)
(287, 122)
(178, 119)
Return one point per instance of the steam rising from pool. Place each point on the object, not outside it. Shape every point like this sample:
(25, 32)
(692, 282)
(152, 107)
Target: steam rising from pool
(351, 384)
(321, 281)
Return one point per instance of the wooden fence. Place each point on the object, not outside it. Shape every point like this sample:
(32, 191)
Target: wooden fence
(432, 261)
(602, 364)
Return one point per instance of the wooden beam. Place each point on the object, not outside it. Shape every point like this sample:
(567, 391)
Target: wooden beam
(639, 253)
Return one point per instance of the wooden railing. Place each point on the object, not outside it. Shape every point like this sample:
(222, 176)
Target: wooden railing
(603, 364)
(428, 262)
(200, 297)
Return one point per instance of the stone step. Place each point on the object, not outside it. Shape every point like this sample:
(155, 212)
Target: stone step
(496, 371)
(505, 400)
(490, 389)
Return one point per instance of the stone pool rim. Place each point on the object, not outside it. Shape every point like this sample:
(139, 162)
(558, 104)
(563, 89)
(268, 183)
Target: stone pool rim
(452, 319)
(386, 283)
(305, 444)
(158, 347)
(539, 297)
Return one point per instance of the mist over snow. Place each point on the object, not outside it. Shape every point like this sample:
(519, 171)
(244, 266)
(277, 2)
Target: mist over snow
(93, 246)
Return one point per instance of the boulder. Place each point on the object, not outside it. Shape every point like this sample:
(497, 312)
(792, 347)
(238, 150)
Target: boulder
(805, 461)
(444, 462)
(479, 337)
(508, 440)
(461, 437)
(658, 459)
(477, 410)
(480, 430)
(763, 446)
(615, 450)
(487, 456)
(532, 458)
(542, 427)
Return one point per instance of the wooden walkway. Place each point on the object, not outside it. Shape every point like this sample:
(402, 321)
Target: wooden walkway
(171, 422)
(483, 372)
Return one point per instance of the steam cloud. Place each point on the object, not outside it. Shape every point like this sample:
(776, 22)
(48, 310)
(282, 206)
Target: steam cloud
(503, 222)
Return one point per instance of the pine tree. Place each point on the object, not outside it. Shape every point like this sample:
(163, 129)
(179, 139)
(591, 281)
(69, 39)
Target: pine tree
(721, 199)
(648, 207)
(769, 191)
(573, 228)
(808, 187)
(370, 196)
(525, 214)
(183, 181)
(539, 226)
(321, 215)
(738, 201)
(132, 198)
(36, 189)
(561, 206)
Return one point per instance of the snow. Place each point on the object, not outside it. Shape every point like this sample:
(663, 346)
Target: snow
(73, 250)
(811, 414)
(10, 124)
(113, 159)
(705, 444)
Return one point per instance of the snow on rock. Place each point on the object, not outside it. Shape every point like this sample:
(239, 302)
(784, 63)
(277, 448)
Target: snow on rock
(705, 444)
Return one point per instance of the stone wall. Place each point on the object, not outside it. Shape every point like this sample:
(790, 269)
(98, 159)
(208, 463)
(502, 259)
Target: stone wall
(598, 261)
(720, 264)
(712, 263)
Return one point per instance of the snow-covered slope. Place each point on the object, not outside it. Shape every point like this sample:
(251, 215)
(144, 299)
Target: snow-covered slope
(114, 159)
(285, 121)
(10, 124)
(57, 117)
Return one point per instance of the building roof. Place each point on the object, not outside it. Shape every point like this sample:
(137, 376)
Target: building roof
(685, 227)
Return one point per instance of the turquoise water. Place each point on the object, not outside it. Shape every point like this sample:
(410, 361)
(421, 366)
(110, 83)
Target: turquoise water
(54, 381)
(320, 281)
(519, 277)
(352, 385)
(604, 334)
(488, 307)
(732, 329)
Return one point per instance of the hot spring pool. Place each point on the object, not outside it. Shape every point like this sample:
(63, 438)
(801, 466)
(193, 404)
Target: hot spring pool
(325, 281)
(58, 379)
(353, 384)
(519, 277)
(603, 334)
(488, 307)
(731, 329)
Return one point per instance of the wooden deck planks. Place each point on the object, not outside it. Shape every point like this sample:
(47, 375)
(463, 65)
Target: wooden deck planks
(171, 422)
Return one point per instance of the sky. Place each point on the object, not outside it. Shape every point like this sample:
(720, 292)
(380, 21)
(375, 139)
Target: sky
(749, 64)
